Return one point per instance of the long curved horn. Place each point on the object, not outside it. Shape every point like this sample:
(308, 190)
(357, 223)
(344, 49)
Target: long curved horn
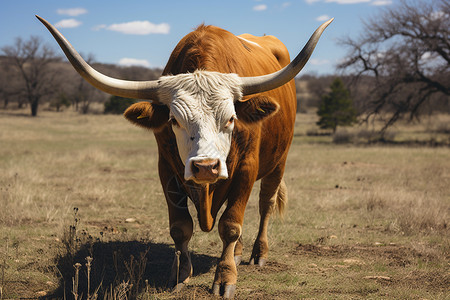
(259, 84)
(123, 88)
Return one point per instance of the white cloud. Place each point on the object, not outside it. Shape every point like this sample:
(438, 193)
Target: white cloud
(98, 27)
(260, 7)
(319, 62)
(68, 23)
(323, 18)
(139, 28)
(348, 1)
(126, 61)
(381, 2)
(286, 4)
(73, 12)
(311, 1)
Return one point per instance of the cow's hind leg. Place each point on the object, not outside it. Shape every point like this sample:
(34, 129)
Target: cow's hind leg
(273, 194)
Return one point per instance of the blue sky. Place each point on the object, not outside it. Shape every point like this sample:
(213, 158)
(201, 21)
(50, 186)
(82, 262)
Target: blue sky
(145, 32)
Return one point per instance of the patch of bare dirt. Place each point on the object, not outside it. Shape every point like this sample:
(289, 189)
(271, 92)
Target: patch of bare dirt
(190, 292)
(269, 268)
(396, 255)
(431, 280)
(203, 292)
(259, 294)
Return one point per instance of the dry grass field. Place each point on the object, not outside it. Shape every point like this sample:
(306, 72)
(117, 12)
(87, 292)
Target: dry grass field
(363, 222)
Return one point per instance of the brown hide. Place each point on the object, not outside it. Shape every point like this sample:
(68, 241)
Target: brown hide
(257, 147)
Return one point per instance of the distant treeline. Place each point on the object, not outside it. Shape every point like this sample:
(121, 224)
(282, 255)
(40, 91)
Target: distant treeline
(399, 67)
(62, 86)
(311, 88)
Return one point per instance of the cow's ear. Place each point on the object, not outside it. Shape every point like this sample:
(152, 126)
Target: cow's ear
(147, 115)
(255, 109)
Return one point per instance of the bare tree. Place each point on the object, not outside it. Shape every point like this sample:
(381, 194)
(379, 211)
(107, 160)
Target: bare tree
(406, 52)
(316, 87)
(5, 74)
(32, 60)
(82, 93)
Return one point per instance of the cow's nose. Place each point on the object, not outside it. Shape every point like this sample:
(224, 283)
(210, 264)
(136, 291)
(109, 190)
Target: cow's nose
(206, 170)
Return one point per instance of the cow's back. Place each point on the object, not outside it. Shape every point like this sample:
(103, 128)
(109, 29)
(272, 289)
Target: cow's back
(215, 49)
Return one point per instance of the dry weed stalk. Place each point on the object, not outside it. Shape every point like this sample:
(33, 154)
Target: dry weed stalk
(147, 293)
(88, 266)
(119, 292)
(136, 269)
(177, 254)
(77, 267)
(70, 238)
(4, 266)
(75, 281)
(2, 282)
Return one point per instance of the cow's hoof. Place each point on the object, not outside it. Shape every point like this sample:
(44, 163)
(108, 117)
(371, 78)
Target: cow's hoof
(227, 290)
(216, 289)
(259, 261)
(238, 260)
(178, 287)
(230, 289)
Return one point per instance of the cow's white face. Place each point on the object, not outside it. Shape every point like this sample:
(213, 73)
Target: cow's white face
(202, 117)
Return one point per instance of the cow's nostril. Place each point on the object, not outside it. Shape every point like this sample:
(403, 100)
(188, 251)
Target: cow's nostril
(216, 165)
(207, 167)
(194, 168)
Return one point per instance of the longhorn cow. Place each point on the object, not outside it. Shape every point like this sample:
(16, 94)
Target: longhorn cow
(223, 117)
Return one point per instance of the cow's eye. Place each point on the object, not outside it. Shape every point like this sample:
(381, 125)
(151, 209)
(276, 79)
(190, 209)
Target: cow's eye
(230, 122)
(174, 122)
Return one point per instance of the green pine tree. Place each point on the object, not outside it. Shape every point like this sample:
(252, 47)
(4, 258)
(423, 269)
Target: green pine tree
(336, 108)
(117, 105)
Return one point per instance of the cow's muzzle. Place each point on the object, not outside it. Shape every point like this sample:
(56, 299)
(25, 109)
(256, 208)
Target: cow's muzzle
(206, 170)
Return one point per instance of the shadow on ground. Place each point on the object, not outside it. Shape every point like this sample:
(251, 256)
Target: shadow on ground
(117, 262)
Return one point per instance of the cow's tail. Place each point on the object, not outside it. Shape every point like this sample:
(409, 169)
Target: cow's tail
(282, 198)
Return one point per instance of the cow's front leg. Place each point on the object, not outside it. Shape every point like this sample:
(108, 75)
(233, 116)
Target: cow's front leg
(225, 279)
(181, 229)
(238, 251)
(230, 230)
(181, 233)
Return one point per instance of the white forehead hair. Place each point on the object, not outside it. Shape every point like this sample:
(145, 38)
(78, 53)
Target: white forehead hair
(202, 103)
(206, 85)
